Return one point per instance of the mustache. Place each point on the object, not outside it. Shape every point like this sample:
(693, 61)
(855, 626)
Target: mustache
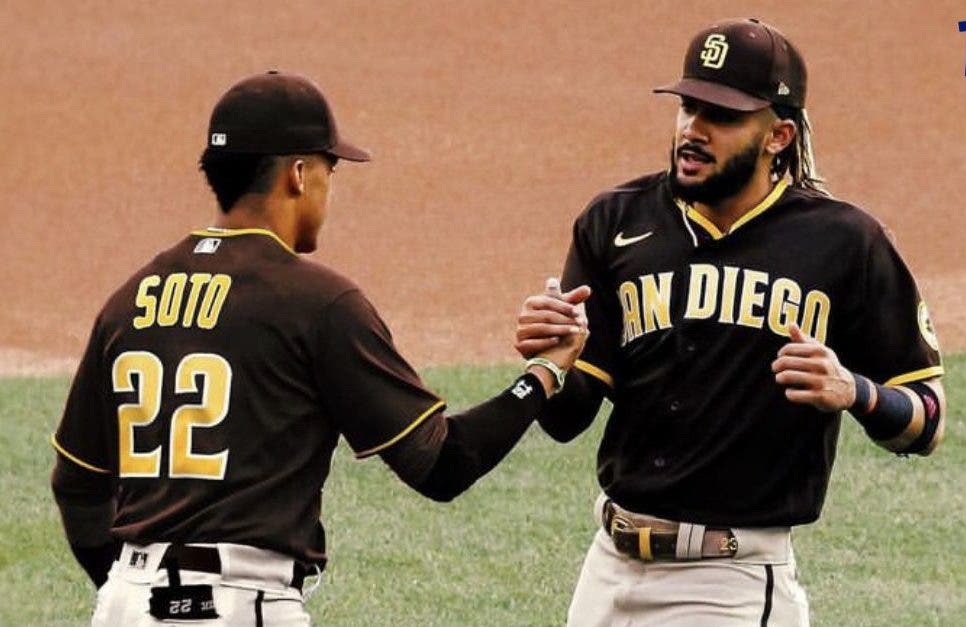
(695, 149)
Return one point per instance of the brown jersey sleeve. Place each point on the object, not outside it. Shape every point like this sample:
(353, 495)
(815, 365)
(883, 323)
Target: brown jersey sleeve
(893, 341)
(583, 267)
(374, 395)
(84, 435)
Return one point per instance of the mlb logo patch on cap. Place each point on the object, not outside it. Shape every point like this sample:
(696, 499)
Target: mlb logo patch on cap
(219, 139)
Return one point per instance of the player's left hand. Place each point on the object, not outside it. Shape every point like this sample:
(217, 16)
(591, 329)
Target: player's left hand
(812, 375)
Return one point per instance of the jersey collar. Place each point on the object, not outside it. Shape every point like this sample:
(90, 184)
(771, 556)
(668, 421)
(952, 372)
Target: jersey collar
(754, 212)
(217, 231)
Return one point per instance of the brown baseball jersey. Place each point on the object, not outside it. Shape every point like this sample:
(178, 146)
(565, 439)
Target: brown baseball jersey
(686, 321)
(215, 386)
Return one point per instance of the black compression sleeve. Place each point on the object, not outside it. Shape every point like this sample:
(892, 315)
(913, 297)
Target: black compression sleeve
(96, 560)
(86, 510)
(571, 410)
(476, 440)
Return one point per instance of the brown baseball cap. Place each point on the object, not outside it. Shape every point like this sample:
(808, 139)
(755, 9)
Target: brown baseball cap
(277, 113)
(742, 64)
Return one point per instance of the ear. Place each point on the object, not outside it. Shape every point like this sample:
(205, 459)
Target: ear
(295, 173)
(782, 134)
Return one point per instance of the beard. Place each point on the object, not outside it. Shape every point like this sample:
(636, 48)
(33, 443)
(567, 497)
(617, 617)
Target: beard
(733, 176)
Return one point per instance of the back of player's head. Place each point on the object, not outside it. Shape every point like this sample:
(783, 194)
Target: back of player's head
(260, 119)
(232, 175)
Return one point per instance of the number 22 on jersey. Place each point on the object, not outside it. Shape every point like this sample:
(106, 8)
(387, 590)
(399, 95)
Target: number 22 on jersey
(215, 372)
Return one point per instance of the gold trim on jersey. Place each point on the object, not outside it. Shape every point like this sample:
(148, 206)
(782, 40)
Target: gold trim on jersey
(217, 231)
(594, 371)
(415, 423)
(74, 458)
(761, 207)
(697, 217)
(916, 375)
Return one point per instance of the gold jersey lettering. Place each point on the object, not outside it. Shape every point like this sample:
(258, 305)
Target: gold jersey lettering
(171, 306)
(728, 291)
(702, 291)
(752, 298)
(815, 315)
(198, 281)
(213, 301)
(147, 301)
(656, 301)
(646, 308)
(727, 294)
(786, 296)
(631, 305)
(171, 296)
(760, 300)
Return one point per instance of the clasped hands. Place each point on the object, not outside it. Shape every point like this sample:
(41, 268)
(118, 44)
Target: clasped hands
(553, 325)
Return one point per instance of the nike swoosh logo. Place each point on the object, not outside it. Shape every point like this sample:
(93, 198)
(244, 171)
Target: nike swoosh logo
(620, 240)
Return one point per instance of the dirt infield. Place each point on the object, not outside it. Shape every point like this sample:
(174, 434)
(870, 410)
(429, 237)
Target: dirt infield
(492, 124)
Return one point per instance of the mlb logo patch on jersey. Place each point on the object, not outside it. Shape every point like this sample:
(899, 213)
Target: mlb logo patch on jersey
(207, 246)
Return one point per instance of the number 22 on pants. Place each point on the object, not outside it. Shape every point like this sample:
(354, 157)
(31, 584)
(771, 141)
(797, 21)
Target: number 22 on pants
(182, 462)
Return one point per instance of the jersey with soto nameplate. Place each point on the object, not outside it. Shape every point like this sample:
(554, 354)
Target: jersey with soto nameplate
(215, 386)
(686, 322)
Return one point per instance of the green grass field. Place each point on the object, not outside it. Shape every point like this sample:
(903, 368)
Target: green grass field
(890, 548)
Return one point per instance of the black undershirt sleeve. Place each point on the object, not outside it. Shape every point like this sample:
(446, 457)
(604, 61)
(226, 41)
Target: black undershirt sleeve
(87, 508)
(570, 411)
(445, 455)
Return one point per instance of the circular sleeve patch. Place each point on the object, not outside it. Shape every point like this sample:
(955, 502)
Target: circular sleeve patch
(926, 328)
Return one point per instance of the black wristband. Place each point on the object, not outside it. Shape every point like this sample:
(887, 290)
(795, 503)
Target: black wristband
(890, 416)
(863, 393)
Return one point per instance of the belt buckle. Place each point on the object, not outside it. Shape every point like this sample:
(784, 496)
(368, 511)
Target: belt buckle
(619, 523)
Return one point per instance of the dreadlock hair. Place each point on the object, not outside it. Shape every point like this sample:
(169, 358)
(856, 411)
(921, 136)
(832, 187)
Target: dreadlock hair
(797, 159)
(232, 175)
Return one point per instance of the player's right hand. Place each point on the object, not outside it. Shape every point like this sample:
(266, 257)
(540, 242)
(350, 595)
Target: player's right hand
(553, 324)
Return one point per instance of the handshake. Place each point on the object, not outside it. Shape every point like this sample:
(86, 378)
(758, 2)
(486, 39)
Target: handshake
(551, 332)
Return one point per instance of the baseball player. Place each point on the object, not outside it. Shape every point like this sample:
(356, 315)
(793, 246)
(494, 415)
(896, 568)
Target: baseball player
(218, 379)
(737, 310)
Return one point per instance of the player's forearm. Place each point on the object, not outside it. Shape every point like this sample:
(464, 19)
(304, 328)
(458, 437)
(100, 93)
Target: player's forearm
(476, 440)
(87, 511)
(87, 528)
(572, 409)
(903, 419)
(85, 500)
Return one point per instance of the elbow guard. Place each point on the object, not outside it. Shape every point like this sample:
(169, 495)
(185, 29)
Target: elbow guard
(904, 419)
